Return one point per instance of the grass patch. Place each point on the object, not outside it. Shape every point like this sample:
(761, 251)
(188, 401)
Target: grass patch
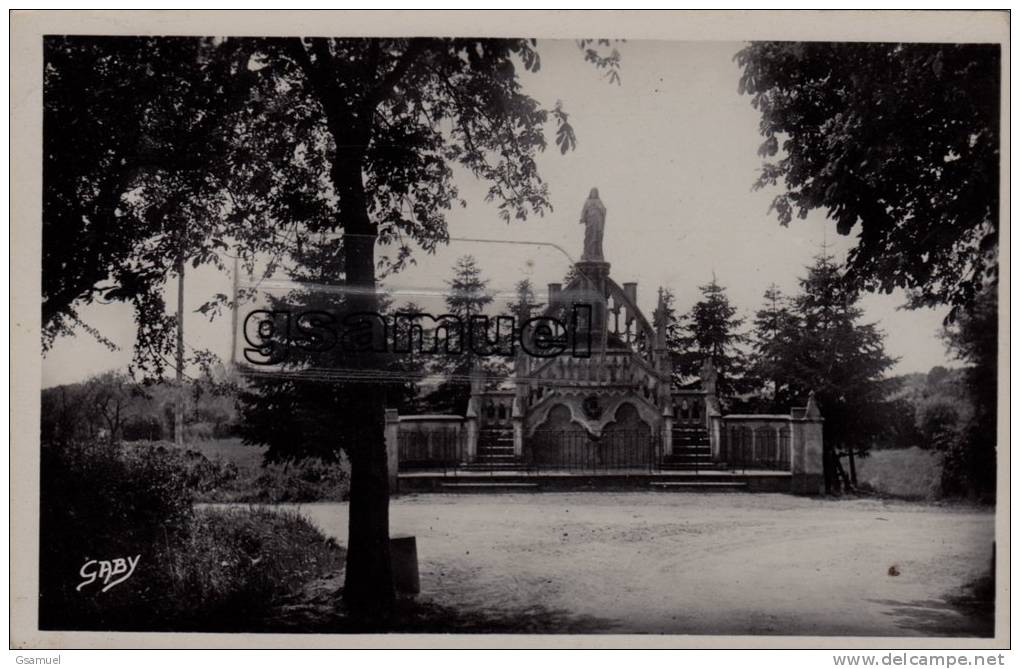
(229, 450)
(908, 473)
(236, 568)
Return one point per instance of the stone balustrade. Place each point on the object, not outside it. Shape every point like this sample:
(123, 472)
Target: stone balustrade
(784, 442)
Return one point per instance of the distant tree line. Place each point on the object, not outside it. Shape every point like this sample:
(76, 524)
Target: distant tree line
(113, 407)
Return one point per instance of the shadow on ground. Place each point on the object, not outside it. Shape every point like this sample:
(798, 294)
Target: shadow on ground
(318, 610)
(968, 612)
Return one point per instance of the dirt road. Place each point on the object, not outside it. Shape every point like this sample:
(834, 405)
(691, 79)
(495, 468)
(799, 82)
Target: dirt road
(695, 563)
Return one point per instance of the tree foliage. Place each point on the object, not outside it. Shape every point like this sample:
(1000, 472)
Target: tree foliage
(526, 304)
(775, 325)
(898, 143)
(711, 331)
(469, 295)
(824, 348)
(970, 462)
(133, 131)
(156, 147)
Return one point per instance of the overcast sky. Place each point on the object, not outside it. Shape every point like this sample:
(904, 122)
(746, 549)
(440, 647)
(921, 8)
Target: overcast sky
(672, 150)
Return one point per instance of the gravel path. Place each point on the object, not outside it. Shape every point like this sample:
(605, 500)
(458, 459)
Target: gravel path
(695, 563)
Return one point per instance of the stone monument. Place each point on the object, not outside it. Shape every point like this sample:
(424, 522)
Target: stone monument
(593, 217)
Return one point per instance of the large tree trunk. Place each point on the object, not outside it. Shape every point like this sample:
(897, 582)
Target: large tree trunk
(841, 476)
(368, 587)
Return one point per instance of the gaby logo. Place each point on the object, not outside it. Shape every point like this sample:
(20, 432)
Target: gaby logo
(111, 572)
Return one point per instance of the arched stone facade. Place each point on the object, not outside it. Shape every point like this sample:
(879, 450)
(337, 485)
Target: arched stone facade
(561, 439)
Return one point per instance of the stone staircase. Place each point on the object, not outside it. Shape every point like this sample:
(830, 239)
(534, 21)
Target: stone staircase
(495, 451)
(695, 470)
(691, 451)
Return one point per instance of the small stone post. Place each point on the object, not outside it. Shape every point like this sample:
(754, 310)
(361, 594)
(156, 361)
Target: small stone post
(667, 429)
(517, 417)
(392, 449)
(714, 421)
(713, 412)
(471, 416)
(404, 558)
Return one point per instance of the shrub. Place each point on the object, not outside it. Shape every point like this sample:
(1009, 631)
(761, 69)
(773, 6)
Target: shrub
(197, 570)
(216, 479)
(226, 430)
(101, 501)
(201, 474)
(138, 428)
(307, 480)
(938, 422)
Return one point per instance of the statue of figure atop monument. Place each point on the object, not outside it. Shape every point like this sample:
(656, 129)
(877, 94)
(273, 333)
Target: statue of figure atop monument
(593, 216)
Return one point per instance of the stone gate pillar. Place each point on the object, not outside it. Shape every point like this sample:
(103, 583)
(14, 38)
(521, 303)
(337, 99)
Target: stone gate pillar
(806, 451)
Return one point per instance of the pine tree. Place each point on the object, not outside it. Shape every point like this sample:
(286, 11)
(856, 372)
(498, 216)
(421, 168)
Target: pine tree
(711, 331)
(775, 324)
(468, 296)
(526, 305)
(843, 361)
(469, 292)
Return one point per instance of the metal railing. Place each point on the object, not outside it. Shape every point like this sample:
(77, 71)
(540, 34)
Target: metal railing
(435, 449)
(748, 447)
(576, 451)
(545, 451)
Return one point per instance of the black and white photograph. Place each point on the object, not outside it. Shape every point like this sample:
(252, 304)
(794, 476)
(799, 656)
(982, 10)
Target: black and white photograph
(511, 331)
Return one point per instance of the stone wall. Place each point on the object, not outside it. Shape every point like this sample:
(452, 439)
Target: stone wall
(783, 442)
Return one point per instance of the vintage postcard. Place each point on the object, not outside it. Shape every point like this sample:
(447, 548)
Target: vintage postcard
(463, 329)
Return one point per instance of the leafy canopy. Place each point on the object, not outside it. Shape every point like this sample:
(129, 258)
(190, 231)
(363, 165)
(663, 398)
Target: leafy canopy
(898, 142)
(159, 147)
(133, 131)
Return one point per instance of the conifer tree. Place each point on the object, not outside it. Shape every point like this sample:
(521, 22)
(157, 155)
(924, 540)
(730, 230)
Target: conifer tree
(526, 305)
(843, 361)
(775, 326)
(711, 331)
(468, 296)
